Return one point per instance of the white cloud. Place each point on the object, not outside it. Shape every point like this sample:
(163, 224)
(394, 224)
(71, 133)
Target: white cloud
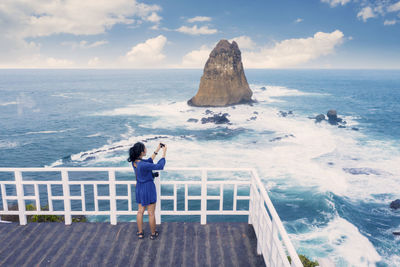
(39, 61)
(284, 54)
(22, 19)
(84, 44)
(154, 18)
(334, 3)
(44, 18)
(94, 62)
(146, 55)
(298, 20)
(199, 19)
(196, 31)
(293, 52)
(394, 7)
(57, 63)
(389, 22)
(366, 13)
(244, 42)
(196, 58)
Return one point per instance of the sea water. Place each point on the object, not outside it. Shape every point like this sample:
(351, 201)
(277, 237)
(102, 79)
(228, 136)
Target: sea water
(331, 186)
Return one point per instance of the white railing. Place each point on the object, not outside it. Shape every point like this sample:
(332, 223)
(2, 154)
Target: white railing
(272, 240)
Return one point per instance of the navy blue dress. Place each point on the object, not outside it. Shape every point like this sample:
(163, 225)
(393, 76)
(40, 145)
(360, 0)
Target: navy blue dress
(145, 188)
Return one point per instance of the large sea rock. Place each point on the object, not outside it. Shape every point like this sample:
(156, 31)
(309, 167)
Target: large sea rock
(223, 82)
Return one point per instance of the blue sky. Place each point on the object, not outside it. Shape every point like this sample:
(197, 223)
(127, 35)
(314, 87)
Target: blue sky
(181, 34)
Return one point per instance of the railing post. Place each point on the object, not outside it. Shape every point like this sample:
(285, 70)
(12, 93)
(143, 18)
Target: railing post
(67, 200)
(258, 208)
(158, 205)
(113, 201)
(20, 195)
(251, 198)
(203, 218)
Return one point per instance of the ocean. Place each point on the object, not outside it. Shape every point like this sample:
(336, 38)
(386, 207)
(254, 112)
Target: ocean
(331, 186)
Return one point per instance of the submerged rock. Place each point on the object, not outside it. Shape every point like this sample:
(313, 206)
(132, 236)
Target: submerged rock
(319, 118)
(281, 137)
(359, 171)
(217, 119)
(223, 82)
(284, 113)
(395, 204)
(192, 120)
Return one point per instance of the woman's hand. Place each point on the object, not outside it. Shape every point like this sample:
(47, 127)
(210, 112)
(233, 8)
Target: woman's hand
(159, 147)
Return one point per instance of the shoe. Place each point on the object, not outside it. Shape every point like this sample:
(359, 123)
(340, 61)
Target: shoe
(152, 237)
(140, 235)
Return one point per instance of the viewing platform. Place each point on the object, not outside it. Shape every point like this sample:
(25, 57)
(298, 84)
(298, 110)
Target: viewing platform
(187, 212)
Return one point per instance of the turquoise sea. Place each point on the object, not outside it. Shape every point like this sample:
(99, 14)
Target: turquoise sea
(331, 186)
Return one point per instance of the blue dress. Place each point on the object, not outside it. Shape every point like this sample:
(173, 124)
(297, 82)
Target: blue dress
(145, 188)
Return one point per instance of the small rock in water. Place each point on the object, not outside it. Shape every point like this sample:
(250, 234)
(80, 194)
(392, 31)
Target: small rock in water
(255, 112)
(332, 117)
(341, 126)
(284, 113)
(263, 88)
(209, 112)
(217, 119)
(358, 171)
(395, 204)
(354, 128)
(319, 118)
(396, 233)
(192, 120)
(252, 118)
(281, 137)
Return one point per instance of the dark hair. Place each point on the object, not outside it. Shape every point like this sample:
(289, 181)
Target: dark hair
(135, 151)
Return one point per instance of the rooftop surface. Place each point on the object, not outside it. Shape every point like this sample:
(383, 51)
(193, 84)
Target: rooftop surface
(103, 244)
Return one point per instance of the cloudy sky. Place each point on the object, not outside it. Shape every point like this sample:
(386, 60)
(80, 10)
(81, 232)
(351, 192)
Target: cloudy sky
(181, 34)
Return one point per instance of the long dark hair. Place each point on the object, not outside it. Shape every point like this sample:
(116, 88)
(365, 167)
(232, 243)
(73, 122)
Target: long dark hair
(135, 151)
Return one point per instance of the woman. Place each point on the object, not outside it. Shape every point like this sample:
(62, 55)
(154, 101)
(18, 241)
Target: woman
(146, 195)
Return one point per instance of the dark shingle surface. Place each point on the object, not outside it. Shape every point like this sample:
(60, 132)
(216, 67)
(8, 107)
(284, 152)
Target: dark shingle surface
(103, 244)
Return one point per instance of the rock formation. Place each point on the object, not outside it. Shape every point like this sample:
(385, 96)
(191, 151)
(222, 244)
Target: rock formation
(395, 204)
(223, 82)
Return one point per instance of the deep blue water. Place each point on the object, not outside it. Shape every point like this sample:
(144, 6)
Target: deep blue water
(331, 186)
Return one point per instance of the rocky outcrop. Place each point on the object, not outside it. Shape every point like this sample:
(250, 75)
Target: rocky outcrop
(217, 119)
(395, 204)
(223, 82)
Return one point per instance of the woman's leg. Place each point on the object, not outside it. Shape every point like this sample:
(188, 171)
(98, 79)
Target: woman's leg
(152, 218)
(139, 217)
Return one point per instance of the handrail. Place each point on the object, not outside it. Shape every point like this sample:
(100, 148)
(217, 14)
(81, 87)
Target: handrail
(272, 238)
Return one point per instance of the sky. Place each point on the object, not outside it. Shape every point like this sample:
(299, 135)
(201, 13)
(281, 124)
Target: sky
(140, 34)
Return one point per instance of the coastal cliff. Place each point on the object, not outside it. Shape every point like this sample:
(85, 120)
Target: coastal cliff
(223, 82)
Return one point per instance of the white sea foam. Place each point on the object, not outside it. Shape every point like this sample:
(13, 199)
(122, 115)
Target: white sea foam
(8, 103)
(303, 151)
(8, 144)
(270, 93)
(346, 245)
(47, 132)
(308, 155)
(94, 135)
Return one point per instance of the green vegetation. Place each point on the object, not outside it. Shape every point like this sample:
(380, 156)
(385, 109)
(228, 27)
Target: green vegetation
(41, 218)
(305, 261)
